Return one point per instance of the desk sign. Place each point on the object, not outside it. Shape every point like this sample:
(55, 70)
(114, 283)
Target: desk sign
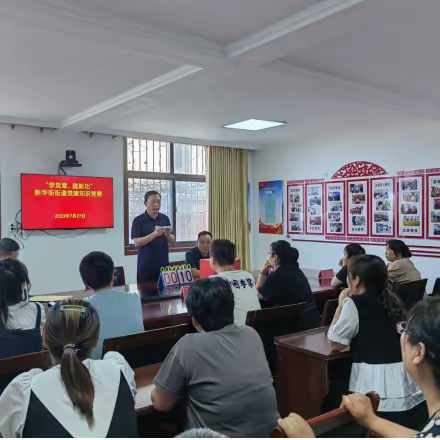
(175, 275)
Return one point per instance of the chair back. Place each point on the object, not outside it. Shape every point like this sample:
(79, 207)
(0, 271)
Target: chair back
(146, 348)
(272, 322)
(411, 293)
(338, 423)
(436, 290)
(329, 312)
(13, 366)
(118, 276)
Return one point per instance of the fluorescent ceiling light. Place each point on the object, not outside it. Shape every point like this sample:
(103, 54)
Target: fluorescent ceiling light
(254, 125)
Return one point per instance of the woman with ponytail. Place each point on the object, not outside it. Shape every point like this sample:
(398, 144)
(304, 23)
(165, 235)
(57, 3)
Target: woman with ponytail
(20, 320)
(400, 268)
(77, 397)
(366, 320)
(286, 284)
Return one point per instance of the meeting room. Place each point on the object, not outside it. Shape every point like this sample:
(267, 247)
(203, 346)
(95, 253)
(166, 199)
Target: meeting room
(219, 219)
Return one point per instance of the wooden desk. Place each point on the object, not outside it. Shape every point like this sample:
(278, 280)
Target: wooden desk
(144, 384)
(168, 312)
(303, 380)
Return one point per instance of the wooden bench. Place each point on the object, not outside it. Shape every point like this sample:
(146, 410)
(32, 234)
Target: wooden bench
(338, 423)
(329, 312)
(146, 348)
(272, 322)
(12, 367)
(411, 293)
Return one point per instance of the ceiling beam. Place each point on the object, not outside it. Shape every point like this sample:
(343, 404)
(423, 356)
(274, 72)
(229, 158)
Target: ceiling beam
(288, 25)
(129, 95)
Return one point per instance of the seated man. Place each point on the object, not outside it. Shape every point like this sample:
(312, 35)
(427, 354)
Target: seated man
(10, 250)
(242, 283)
(120, 313)
(221, 372)
(194, 255)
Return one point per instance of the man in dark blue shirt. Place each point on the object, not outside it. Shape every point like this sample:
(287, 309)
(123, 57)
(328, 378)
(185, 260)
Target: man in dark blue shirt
(151, 232)
(194, 255)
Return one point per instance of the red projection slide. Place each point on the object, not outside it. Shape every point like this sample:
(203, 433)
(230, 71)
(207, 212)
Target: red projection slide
(66, 202)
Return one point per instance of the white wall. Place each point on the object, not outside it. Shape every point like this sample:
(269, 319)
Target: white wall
(415, 145)
(53, 262)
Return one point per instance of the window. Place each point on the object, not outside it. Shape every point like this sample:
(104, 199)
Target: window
(178, 172)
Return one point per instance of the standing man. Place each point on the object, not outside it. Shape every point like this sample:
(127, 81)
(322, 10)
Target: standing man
(151, 232)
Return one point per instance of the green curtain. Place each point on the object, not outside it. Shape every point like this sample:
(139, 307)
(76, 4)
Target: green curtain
(227, 200)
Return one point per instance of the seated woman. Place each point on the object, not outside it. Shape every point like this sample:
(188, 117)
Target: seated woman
(350, 251)
(287, 284)
(77, 397)
(17, 313)
(420, 348)
(366, 319)
(400, 269)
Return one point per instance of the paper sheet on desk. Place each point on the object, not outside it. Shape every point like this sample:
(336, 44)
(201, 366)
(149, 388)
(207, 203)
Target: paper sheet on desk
(48, 298)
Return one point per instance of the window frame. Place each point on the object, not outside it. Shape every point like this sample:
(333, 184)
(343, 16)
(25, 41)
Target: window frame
(180, 246)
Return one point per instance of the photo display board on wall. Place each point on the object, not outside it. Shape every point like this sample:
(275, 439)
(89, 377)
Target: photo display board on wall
(295, 208)
(361, 203)
(335, 202)
(315, 208)
(357, 207)
(433, 206)
(410, 206)
(382, 207)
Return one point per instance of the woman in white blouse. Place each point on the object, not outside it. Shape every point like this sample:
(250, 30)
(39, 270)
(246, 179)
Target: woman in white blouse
(366, 320)
(20, 320)
(77, 397)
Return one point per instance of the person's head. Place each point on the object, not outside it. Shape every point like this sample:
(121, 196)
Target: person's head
(367, 274)
(71, 332)
(13, 287)
(200, 433)
(210, 304)
(222, 254)
(204, 242)
(396, 250)
(96, 270)
(282, 254)
(152, 202)
(420, 342)
(351, 250)
(9, 249)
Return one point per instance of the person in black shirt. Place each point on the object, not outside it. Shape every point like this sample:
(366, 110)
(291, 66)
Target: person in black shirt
(151, 232)
(194, 255)
(351, 250)
(287, 284)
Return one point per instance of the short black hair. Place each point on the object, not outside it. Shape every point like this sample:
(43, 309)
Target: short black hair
(223, 252)
(201, 234)
(211, 302)
(148, 194)
(354, 249)
(96, 270)
(399, 247)
(7, 245)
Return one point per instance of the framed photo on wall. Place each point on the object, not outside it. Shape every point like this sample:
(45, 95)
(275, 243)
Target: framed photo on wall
(382, 207)
(433, 206)
(315, 208)
(411, 192)
(295, 208)
(357, 193)
(335, 197)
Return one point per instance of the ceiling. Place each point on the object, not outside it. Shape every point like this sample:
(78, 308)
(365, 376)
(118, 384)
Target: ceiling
(182, 69)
